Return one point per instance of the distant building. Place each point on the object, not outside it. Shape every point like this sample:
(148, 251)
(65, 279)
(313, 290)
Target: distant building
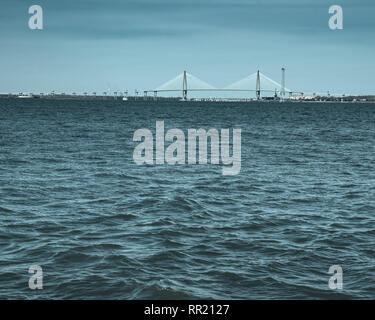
(302, 97)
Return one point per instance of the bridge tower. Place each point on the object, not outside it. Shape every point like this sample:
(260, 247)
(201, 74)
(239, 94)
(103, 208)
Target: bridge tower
(257, 88)
(184, 87)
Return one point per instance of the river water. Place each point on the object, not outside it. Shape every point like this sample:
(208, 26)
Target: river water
(73, 201)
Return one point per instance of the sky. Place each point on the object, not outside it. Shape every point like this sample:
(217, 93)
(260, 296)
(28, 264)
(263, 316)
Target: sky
(118, 45)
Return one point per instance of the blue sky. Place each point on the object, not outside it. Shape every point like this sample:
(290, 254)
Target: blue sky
(91, 45)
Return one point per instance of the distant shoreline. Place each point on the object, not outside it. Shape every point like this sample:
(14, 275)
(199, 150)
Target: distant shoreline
(347, 99)
(320, 99)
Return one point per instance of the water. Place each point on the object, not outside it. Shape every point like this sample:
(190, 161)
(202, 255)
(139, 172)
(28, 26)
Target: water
(73, 201)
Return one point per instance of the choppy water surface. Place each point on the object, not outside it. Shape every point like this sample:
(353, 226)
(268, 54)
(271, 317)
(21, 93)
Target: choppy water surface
(73, 201)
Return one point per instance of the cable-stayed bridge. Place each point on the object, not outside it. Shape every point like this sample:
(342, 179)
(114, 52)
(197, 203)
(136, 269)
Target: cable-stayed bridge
(257, 83)
(185, 82)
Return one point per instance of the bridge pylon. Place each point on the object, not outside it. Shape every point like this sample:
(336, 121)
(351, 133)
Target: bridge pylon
(184, 87)
(257, 86)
